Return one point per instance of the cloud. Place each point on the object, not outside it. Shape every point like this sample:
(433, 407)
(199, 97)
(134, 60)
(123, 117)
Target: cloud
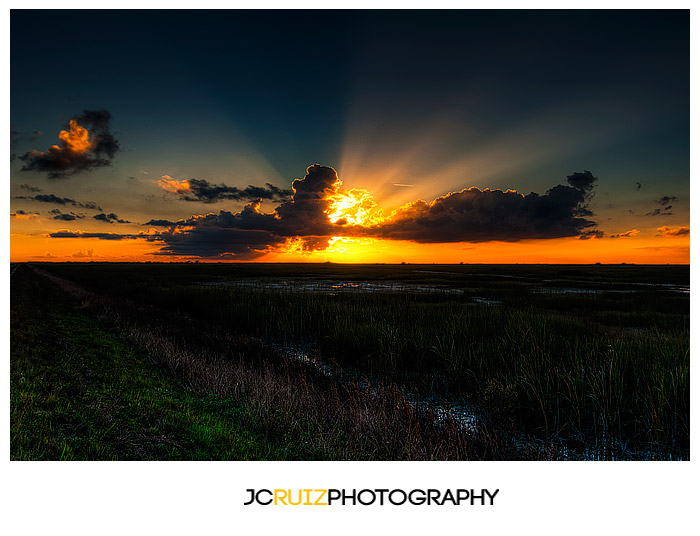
(202, 191)
(87, 254)
(109, 218)
(665, 203)
(320, 208)
(221, 243)
(102, 236)
(77, 152)
(160, 223)
(475, 215)
(591, 234)
(58, 215)
(673, 231)
(56, 200)
(665, 200)
(22, 215)
(626, 234)
(50, 198)
(30, 188)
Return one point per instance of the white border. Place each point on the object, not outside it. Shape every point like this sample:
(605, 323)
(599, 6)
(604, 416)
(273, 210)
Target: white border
(207, 497)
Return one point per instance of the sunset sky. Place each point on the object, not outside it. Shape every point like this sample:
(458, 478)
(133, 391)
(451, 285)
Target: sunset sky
(350, 136)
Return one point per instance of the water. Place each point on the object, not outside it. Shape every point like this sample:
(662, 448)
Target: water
(333, 287)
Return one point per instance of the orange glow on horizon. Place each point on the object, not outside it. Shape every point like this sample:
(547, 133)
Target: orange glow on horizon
(647, 250)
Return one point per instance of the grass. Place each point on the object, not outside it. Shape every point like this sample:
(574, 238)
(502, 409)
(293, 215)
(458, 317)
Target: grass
(78, 392)
(605, 371)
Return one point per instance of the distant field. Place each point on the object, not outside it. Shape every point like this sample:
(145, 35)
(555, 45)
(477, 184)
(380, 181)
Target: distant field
(415, 361)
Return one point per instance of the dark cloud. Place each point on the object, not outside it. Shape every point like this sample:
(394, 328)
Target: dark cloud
(51, 198)
(665, 200)
(30, 188)
(56, 200)
(86, 144)
(591, 234)
(109, 218)
(220, 243)
(101, 236)
(160, 223)
(474, 215)
(582, 181)
(202, 191)
(666, 206)
(71, 216)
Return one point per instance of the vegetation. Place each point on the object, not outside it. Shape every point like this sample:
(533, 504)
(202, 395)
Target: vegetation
(141, 383)
(590, 360)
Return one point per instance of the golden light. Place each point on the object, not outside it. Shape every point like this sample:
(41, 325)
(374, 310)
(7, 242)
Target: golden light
(77, 139)
(351, 208)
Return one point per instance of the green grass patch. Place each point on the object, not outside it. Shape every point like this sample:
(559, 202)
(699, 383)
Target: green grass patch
(80, 392)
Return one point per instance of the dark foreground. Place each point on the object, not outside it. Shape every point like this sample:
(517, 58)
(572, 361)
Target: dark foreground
(197, 361)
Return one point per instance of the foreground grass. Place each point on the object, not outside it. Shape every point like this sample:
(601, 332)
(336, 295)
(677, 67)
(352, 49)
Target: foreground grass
(79, 392)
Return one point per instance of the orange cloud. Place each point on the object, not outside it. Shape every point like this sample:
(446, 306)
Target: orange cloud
(76, 139)
(626, 234)
(76, 153)
(673, 231)
(167, 183)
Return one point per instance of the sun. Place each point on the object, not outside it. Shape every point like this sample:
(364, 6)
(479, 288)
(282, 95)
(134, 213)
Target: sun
(352, 207)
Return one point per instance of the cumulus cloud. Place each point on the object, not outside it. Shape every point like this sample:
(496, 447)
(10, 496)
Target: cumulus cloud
(86, 143)
(202, 191)
(673, 231)
(320, 208)
(475, 215)
(109, 218)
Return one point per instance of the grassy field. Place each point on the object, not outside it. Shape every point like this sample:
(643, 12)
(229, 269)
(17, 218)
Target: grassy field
(556, 361)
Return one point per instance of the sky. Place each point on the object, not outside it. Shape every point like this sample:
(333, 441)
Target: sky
(350, 136)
